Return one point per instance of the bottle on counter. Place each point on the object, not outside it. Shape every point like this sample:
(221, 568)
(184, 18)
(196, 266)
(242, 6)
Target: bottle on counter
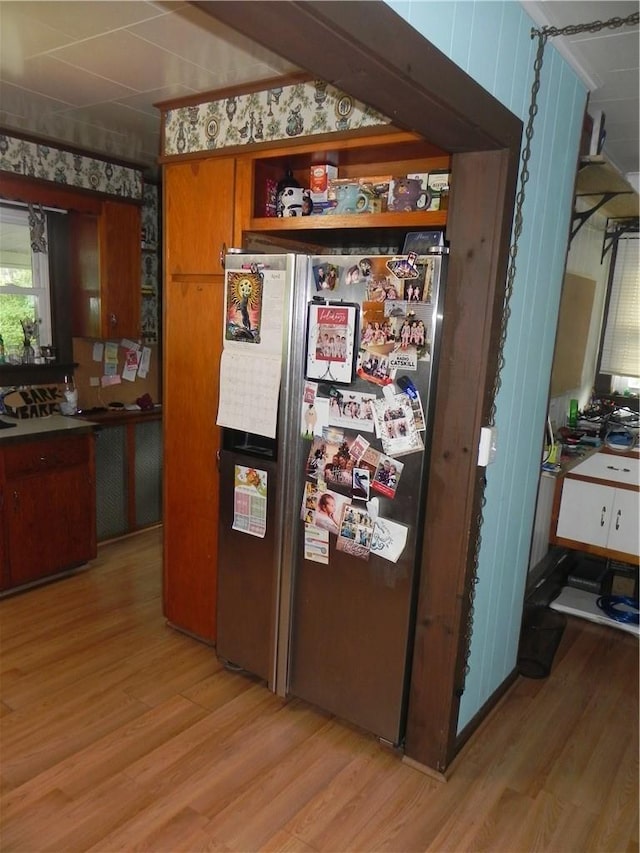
(573, 414)
(28, 354)
(69, 405)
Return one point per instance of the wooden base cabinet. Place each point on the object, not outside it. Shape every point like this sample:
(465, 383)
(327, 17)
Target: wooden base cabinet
(198, 211)
(600, 516)
(598, 505)
(48, 518)
(128, 474)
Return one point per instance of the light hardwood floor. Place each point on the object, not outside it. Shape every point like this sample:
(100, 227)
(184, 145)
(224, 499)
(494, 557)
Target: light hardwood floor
(119, 733)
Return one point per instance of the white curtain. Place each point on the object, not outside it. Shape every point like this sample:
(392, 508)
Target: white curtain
(621, 344)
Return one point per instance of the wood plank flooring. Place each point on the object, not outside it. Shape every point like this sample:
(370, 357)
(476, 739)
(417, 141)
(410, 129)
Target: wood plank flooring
(119, 733)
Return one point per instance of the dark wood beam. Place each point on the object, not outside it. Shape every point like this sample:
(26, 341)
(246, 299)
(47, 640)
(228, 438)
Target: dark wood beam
(479, 228)
(367, 50)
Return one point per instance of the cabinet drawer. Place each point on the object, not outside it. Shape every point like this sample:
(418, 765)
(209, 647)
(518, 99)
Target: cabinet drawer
(33, 457)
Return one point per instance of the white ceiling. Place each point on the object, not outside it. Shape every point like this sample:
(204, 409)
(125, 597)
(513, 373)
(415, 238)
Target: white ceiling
(89, 73)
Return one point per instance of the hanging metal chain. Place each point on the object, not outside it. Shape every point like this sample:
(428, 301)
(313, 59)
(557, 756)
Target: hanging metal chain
(543, 35)
(506, 313)
(593, 27)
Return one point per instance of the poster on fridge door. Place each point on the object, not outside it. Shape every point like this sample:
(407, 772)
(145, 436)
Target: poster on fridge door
(250, 501)
(331, 335)
(244, 306)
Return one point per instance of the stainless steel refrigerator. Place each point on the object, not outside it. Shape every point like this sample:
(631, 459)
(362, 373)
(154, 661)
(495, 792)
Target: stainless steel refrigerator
(319, 598)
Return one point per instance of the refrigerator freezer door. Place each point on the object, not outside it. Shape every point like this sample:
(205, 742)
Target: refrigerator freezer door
(246, 575)
(254, 574)
(349, 646)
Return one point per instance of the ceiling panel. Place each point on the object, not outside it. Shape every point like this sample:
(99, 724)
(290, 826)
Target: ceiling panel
(563, 12)
(195, 36)
(144, 101)
(133, 62)
(21, 37)
(611, 50)
(48, 76)
(137, 132)
(619, 85)
(80, 20)
(13, 101)
(119, 118)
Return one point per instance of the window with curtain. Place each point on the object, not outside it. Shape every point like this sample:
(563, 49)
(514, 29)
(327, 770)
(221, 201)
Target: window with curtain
(25, 307)
(620, 354)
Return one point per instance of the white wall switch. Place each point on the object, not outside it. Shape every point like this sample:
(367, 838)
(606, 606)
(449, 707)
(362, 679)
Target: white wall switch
(487, 446)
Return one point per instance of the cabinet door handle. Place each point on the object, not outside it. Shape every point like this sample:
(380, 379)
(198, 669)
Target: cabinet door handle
(223, 253)
(16, 500)
(618, 517)
(113, 320)
(602, 515)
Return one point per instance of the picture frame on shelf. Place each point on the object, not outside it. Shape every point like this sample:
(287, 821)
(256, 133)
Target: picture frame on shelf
(421, 242)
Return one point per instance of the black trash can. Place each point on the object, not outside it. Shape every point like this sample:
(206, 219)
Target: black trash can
(542, 630)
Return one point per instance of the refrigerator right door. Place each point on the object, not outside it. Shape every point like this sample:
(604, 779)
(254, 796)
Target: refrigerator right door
(352, 612)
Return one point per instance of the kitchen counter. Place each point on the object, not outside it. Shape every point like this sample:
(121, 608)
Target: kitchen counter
(34, 428)
(111, 417)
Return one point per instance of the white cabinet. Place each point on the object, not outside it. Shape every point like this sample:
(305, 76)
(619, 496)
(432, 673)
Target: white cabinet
(598, 506)
(600, 515)
(623, 530)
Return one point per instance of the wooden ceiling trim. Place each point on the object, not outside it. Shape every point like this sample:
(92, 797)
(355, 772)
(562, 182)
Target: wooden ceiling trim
(377, 57)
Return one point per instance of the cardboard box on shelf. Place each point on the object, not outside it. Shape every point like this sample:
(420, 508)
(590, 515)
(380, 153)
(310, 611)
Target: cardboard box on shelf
(271, 196)
(438, 186)
(624, 579)
(322, 207)
(377, 188)
(319, 177)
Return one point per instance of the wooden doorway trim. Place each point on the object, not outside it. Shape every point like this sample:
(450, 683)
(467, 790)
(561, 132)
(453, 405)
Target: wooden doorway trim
(374, 55)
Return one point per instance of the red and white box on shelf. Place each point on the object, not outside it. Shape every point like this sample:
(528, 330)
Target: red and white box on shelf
(319, 177)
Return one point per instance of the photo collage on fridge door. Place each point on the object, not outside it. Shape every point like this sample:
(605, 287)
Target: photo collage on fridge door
(371, 320)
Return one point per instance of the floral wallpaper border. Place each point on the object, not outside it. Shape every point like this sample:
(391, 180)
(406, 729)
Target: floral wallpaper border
(49, 163)
(150, 272)
(280, 113)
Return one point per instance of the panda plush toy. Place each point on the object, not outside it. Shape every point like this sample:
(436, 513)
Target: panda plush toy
(290, 202)
(294, 201)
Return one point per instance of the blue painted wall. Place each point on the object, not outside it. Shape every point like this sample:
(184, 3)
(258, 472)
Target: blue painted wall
(492, 42)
